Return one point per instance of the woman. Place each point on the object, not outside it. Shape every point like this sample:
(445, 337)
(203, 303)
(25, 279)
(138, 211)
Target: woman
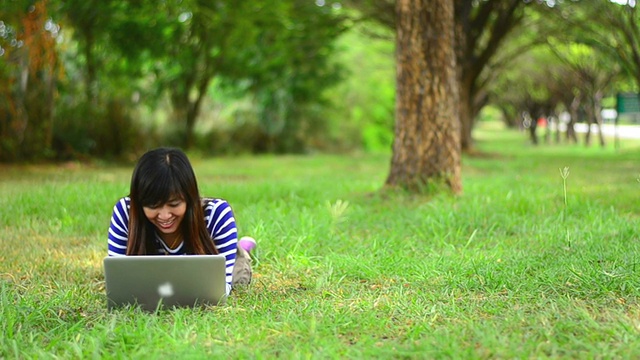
(165, 215)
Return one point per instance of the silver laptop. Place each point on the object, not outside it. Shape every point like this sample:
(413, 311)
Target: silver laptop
(158, 281)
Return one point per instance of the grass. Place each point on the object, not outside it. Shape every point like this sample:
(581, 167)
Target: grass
(526, 263)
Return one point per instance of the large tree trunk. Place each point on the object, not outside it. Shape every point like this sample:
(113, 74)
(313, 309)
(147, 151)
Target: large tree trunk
(467, 118)
(462, 30)
(426, 149)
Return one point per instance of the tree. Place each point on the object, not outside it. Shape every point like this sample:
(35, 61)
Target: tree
(426, 148)
(594, 79)
(181, 46)
(481, 28)
(615, 31)
(276, 50)
(90, 19)
(290, 70)
(28, 70)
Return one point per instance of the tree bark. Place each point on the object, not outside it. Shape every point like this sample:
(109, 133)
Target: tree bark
(467, 118)
(426, 149)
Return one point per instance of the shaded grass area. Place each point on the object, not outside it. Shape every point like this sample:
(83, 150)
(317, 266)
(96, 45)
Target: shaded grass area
(345, 270)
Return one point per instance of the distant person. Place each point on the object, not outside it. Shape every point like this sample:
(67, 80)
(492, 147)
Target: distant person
(165, 215)
(542, 122)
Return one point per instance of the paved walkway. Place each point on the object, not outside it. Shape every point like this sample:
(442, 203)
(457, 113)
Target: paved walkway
(624, 131)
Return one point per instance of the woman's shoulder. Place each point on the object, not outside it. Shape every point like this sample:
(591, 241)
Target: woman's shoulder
(215, 207)
(213, 203)
(123, 203)
(121, 211)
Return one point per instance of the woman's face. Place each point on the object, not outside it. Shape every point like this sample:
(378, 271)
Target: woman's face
(167, 217)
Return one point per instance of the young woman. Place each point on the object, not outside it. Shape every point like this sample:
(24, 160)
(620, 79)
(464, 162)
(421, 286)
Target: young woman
(165, 215)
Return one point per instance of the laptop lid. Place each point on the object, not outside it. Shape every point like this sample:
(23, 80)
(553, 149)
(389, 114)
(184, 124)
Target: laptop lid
(156, 281)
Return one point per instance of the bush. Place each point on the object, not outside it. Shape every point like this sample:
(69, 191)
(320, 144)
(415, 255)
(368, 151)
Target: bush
(83, 130)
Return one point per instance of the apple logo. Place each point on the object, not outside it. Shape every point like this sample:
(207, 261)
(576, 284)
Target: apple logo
(165, 290)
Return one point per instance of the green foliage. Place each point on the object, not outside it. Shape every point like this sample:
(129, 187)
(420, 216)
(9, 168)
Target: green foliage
(506, 270)
(364, 102)
(110, 133)
(291, 71)
(161, 58)
(279, 52)
(303, 77)
(28, 71)
(611, 30)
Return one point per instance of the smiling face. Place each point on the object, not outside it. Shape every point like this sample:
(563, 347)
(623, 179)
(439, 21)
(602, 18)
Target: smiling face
(167, 217)
(164, 192)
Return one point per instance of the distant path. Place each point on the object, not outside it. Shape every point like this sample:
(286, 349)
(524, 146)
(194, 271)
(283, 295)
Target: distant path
(624, 131)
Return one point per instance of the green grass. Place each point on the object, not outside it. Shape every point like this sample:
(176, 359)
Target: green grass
(506, 270)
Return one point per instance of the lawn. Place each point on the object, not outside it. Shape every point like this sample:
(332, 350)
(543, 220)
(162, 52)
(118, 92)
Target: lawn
(538, 258)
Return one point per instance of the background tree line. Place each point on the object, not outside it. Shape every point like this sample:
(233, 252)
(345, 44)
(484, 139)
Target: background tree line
(103, 78)
(107, 78)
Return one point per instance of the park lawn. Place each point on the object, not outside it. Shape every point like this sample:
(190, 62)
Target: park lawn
(515, 267)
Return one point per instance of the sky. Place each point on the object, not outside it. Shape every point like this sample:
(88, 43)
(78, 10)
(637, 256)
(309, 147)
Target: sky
(631, 2)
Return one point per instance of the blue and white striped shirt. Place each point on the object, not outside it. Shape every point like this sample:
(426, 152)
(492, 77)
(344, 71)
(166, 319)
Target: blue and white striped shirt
(219, 220)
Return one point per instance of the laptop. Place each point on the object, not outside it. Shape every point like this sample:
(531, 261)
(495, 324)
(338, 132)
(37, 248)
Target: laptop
(153, 282)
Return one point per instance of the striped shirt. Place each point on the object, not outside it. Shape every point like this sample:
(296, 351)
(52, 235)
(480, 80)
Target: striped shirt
(219, 220)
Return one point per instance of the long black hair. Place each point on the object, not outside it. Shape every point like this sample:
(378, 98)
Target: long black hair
(161, 175)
